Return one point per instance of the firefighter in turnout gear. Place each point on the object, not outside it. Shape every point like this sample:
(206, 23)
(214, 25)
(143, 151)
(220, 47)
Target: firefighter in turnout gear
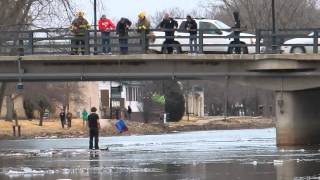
(143, 27)
(79, 27)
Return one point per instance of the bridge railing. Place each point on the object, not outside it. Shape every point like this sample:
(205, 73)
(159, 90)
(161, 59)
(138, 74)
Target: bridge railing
(60, 41)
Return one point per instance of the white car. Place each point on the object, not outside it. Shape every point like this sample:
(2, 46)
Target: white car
(298, 45)
(219, 29)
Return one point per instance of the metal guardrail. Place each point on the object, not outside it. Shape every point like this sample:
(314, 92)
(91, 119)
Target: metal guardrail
(59, 41)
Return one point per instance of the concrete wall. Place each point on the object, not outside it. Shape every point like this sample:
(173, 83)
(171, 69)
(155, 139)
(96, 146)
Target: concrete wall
(298, 117)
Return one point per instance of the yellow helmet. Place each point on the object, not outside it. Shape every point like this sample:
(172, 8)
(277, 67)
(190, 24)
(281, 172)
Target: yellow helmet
(142, 15)
(80, 13)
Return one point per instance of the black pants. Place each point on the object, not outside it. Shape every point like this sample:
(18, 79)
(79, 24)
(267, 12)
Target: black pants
(94, 133)
(168, 43)
(123, 43)
(62, 122)
(76, 43)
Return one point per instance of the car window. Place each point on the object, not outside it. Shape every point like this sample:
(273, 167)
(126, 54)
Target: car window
(207, 25)
(311, 34)
(182, 27)
(223, 26)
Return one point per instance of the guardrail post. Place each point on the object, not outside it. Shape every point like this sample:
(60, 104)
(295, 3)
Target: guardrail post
(87, 42)
(95, 49)
(201, 41)
(30, 42)
(143, 41)
(21, 48)
(315, 41)
(258, 39)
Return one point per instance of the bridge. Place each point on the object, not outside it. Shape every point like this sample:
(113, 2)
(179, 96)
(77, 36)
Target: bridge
(295, 79)
(43, 55)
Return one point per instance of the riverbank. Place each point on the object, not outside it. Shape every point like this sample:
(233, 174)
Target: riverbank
(53, 129)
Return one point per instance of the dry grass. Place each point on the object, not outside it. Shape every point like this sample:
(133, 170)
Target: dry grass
(49, 128)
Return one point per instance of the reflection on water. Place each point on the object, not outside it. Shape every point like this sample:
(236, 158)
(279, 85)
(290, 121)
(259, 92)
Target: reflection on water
(94, 166)
(233, 154)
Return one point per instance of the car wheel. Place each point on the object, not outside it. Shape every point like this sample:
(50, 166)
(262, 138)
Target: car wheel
(243, 49)
(177, 49)
(298, 50)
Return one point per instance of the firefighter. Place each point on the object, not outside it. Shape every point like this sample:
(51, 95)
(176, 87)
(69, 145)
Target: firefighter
(79, 27)
(143, 27)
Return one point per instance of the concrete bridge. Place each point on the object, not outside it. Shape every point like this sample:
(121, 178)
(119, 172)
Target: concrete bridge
(295, 78)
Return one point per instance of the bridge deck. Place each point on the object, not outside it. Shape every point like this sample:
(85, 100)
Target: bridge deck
(167, 57)
(298, 71)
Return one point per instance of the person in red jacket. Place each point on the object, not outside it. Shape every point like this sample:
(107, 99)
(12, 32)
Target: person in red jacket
(105, 26)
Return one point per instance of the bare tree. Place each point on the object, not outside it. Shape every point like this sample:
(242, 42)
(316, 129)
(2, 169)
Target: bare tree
(257, 13)
(47, 96)
(175, 12)
(23, 14)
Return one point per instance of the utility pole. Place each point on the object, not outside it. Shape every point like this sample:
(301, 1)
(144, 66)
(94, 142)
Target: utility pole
(273, 27)
(95, 25)
(226, 98)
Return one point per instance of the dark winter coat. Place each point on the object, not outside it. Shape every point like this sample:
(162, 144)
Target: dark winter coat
(191, 27)
(168, 25)
(79, 26)
(123, 27)
(93, 121)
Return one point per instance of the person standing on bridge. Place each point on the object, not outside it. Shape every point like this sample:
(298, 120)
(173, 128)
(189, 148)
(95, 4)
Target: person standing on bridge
(191, 27)
(105, 26)
(94, 126)
(123, 32)
(143, 27)
(79, 27)
(168, 24)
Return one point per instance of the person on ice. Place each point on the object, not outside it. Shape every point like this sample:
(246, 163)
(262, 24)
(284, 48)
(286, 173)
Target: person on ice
(94, 126)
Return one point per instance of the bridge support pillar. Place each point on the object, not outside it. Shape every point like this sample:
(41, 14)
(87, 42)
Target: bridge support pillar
(298, 118)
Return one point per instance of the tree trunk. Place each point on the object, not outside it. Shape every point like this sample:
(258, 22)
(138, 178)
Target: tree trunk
(41, 117)
(2, 89)
(10, 108)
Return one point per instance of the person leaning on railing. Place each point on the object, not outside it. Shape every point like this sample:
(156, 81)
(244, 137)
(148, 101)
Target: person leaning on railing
(168, 24)
(123, 32)
(79, 26)
(143, 26)
(105, 26)
(191, 27)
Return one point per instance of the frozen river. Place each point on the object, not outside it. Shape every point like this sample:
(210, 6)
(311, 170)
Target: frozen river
(212, 155)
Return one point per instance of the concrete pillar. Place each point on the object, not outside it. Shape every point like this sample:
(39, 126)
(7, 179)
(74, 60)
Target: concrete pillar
(298, 118)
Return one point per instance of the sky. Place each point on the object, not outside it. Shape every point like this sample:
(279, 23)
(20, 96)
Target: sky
(115, 9)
